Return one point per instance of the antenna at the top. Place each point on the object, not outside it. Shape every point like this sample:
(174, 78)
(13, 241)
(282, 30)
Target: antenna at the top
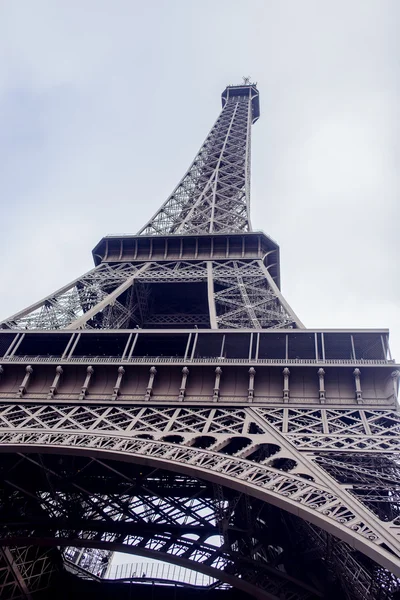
(246, 80)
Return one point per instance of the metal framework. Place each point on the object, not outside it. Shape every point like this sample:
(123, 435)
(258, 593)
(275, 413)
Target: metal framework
(170, 404)
(231, 294)
(27, 571)
(214, 194)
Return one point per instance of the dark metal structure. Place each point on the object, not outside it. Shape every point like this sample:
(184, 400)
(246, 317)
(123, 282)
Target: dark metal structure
(170, 404)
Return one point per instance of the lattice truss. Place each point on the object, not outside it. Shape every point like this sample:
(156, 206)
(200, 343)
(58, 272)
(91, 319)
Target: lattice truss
(213, 196)
(338, 429)
(94, 300)
(360, 578)
(121, 296)
(244, 297)
(177, 518)
(252, 444)
(25, 571)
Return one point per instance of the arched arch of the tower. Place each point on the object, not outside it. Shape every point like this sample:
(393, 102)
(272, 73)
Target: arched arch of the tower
(292, 493)
(86, 500)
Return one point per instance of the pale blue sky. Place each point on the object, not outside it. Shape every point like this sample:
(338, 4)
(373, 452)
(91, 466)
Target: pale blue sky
(103, 104)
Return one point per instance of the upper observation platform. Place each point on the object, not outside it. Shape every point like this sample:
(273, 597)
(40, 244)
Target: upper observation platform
(248, 91)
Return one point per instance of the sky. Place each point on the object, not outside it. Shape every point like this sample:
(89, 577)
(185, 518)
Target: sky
(104, 103)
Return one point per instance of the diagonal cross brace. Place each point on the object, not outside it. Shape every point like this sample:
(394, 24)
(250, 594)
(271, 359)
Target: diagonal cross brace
(109, 299)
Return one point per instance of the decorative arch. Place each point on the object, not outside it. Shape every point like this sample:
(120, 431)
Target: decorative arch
(312, 502)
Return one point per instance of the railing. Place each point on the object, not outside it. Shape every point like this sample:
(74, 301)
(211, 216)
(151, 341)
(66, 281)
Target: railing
(181, 360)
(146, 572)
(143, 572)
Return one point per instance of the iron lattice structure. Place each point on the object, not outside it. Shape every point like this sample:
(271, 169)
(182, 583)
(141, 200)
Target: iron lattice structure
(170, 404)
(214, 194)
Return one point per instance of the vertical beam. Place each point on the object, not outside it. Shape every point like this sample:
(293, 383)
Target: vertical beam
(211, 300)
(352, 347)
(222, 346)
(257, 345)
(247, 167)
(316, 346)
(126, 346)
(187, 346)
(133, 346)
(194, 345)
(383, 348)
(323, 346)
(251, 345)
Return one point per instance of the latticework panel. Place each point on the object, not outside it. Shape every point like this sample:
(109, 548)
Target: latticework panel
(86, 300)
(244, 297)
(27, 571)
(126, 295)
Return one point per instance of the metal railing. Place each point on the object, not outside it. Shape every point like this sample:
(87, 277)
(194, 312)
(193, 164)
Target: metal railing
(168, 573)
(143, 572)
(205, 360)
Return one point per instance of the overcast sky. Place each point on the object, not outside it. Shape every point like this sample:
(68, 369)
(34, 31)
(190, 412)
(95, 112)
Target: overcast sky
(103, 104)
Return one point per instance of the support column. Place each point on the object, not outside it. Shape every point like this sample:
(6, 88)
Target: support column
(117, 386)
(149, 390)
(89, 373)
(218, 373)
(286, 375)
(182, 389)
(56, 381)
(321, 377)
(357, 380)
(25, 381)
(252, 373)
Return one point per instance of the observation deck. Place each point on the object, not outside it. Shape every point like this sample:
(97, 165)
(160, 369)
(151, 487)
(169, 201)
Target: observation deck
(244, 90)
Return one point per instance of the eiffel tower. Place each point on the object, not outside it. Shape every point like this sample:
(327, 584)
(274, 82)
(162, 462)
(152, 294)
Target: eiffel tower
(171, 405)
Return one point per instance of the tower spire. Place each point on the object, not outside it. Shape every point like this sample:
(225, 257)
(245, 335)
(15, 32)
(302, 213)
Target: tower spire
(214, 194)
